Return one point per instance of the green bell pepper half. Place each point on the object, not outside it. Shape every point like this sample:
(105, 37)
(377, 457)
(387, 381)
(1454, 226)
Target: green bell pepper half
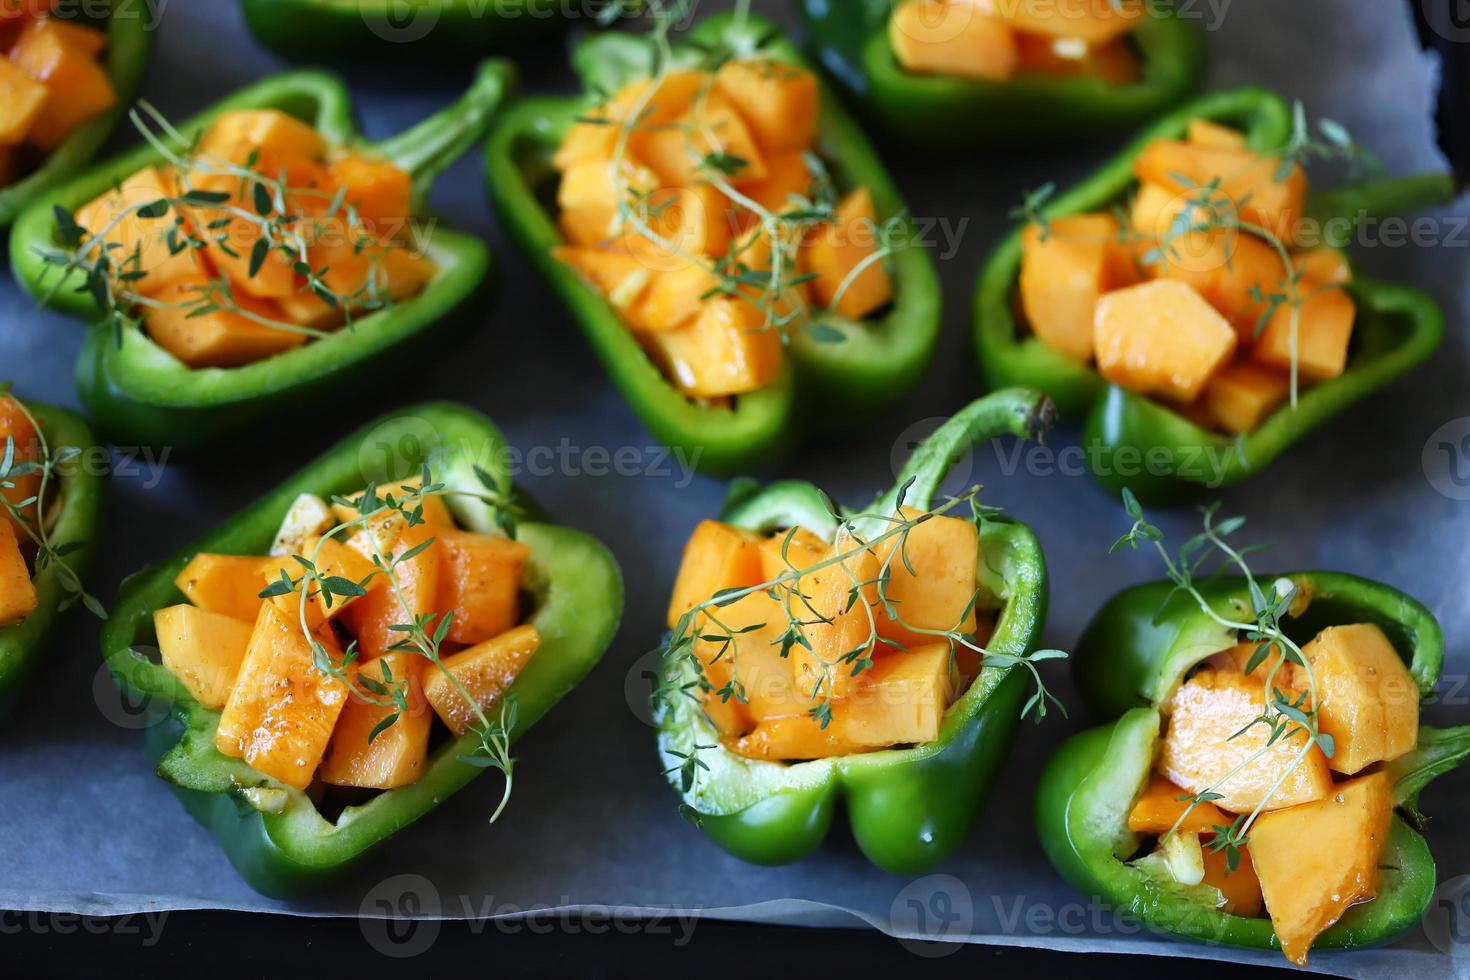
(1131, 658)
(78, 515)
(129, 37)
(273, 834)
(875, 363)
(343, 30)
(909, 808)
(1131, 440)
(142, 395)
(947, 112)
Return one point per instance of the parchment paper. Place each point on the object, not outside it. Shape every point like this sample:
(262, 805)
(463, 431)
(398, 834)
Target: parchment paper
(86, 827)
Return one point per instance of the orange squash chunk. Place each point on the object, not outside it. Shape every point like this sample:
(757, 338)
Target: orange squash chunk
(220, 338)
(486, 671)
(282, 710)
(779, 556)
(1324, 330)
(621, 277)
(588, 199)
(78, 89)
(1160, 338)
(147, 237)
(1199, 749)
(1085, 20)
(1243, 395)
(672, 300)
(716, 557)
(779, 102)
(1113, 62)
(332, 559)
(752, 658)
(901, 700)
(1369, 701)
(378, 190)
(21, 100)
(787, 176)
(276, 138)
(374, 616)
(88, 40)
(1203, 132)
(1317, 860)
(1246, 178)
(753, 253)
(226, 584)
(689, 222)
(943, 38)
(595, 137)
(1240, 888)
(940, 592)
(790, 738)
(17, 591)
(726, 350)
(369, 275)
(434, 511)
(1064, 269)
(1160, 807)
(17, 428)
(1323, 266)
(837, 624)
(834, 251)
(396, 756)
(202, 649)
(480, 582)
(679, 153)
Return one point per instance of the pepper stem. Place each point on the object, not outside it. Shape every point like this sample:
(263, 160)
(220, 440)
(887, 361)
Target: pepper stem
(426, 149)
(1339, 211)
(1439, 750)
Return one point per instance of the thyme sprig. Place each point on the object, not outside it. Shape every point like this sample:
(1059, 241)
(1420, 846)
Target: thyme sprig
(29, 514)
(382, 518)
(1283, 716)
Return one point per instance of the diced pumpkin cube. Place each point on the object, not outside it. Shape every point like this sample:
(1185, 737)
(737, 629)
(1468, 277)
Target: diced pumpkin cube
(1113, 61)
(78, 88)
(374, 616)
(1243, 395)
(716, 557)
(901, 700)
(1248, 179)
(220, 338)
(230, 248)
(726, 350)
(787, 176)
(672, 300)
(751, 658)
(685, 153)
(1323, 266)
(791, 738)
(621, 277)
(145, 237)
(379, 191)
(688, 221)
(21, 100)
(274, 138)
(434, 512)
(1369, 702)
(730, 717)
(1201, 745)
(840, 613)
(797, 548)
(940, 593)
(17, 591)
(753, 253)
(202, 649)
(940, 37)
(282, 709)
(229, 585)
(834, 252)
(307, 517)
(1084, 20)
(1162, 804)
(1240, 888)
(1064, 269)
(596, 137)
(1324, 330)
(13, 12)
(1317, 860)
(480, 583)
(305, 308)
(16, 429)
(485, 671)
(332, 559)
(780, 102)
(1160, 338)
(88, 40)
(396, 756)
(588, 199)
(1203, 132)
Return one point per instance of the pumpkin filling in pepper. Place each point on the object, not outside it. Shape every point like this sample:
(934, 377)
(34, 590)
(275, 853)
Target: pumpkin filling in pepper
(315, 655)
(996, 40)
(20, 489)
(253, 240)
(51, 82)
(1246, 810)
(696, 204)
(808, 650)
(1194, 293)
